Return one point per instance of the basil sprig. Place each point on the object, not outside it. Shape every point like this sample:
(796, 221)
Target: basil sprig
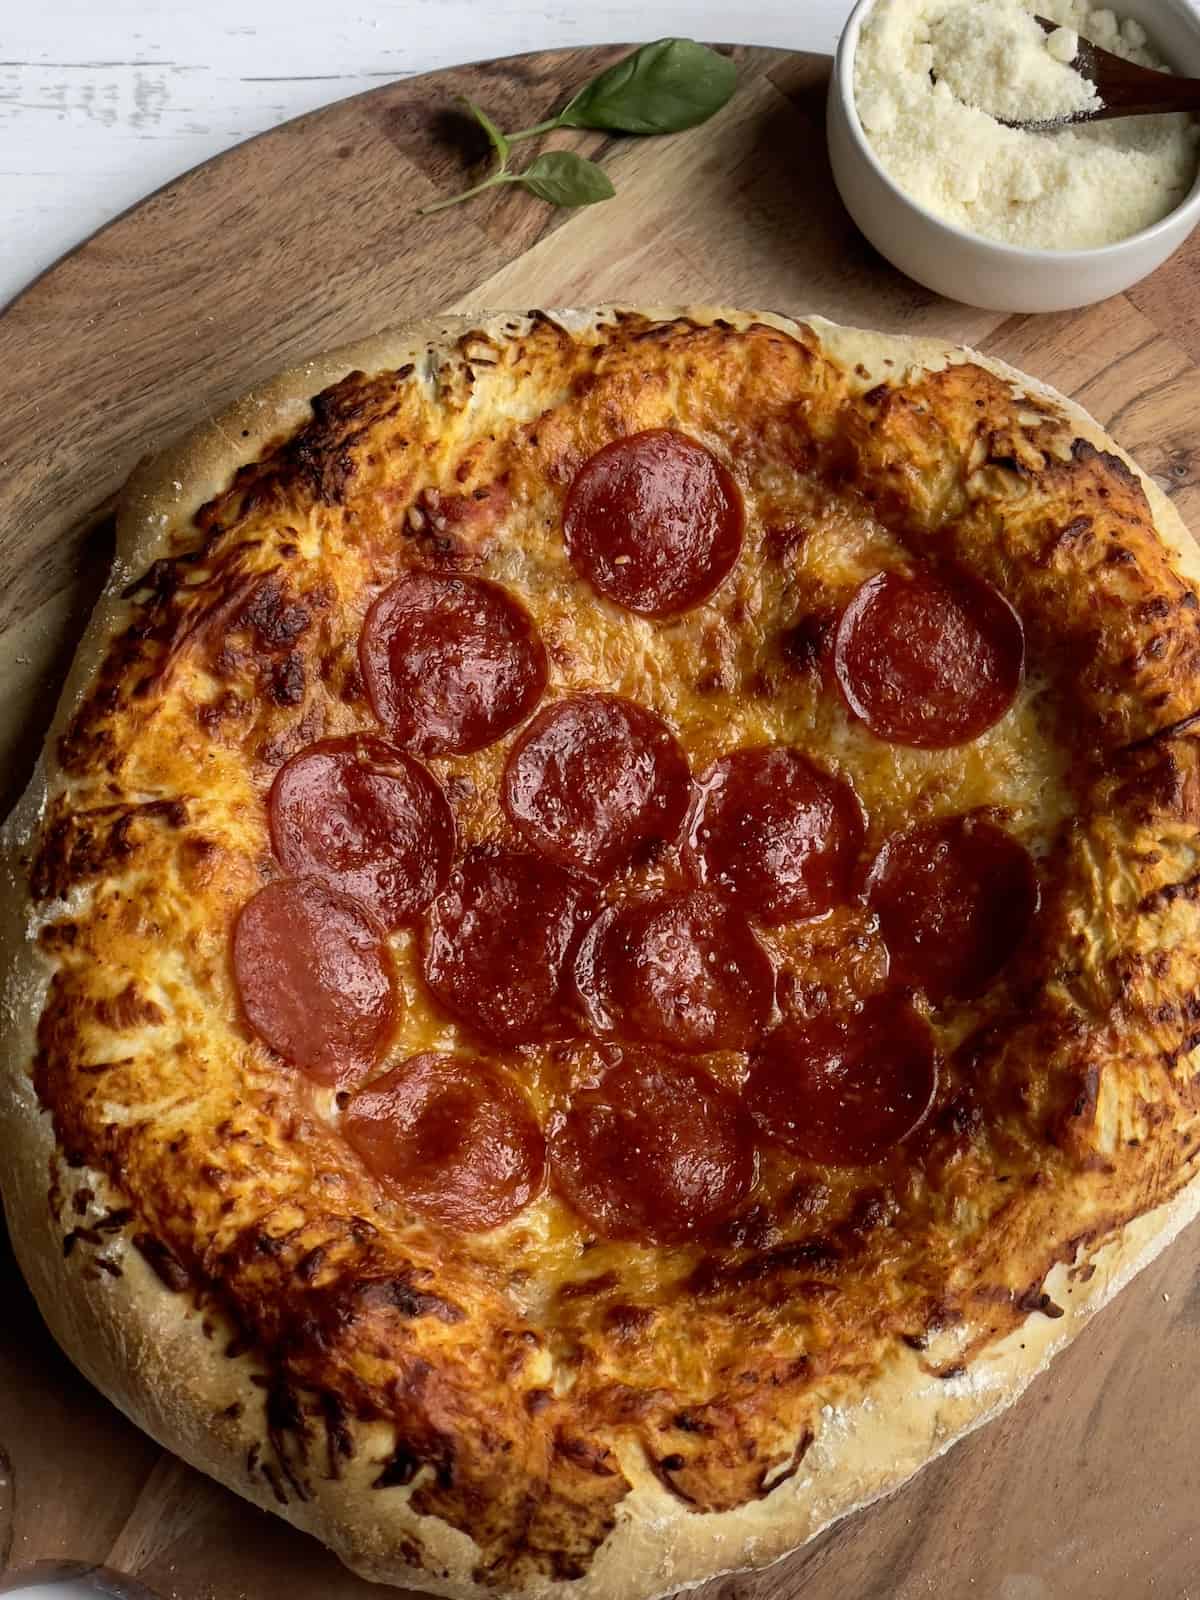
(662, 88)
(564, 179)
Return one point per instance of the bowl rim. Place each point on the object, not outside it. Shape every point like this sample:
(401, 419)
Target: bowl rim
(842, 83)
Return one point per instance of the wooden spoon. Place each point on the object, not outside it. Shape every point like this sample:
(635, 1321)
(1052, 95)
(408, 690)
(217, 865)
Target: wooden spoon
(1125, 89)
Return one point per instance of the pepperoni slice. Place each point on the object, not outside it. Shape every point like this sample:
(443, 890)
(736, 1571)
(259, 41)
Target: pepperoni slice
(844, 1090)
(654, 522)
(655, 1150)
(927, 661)
(452, 1137)
(315, 978)
(776, 833)
(954, 900)
(450, 663)
(594, 777)
(685, 971)
(498, 939)
(366, 818)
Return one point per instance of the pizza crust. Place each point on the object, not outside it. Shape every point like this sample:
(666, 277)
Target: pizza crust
(146, 1348)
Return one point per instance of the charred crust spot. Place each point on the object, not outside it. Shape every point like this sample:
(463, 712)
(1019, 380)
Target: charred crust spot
(277, 620)
(310, 1265)
(283, 1409)
(410, 1302)
(781, 540)
(580, 1288)
(1185, 889)
(288, 1432)
(1061, 538)
(1035, 1299)
(627, 1322)
(161, 578)
(163, 1262)
(274, 1481)
(113, 1221)
(287, 680)
(397, 1294)
(321, 454)
(771, 1477)
(1083, 451)
(82, 845)
(714, 1276)
(595, 1459)
(873, 1209)
(803, 645)
(753, 1229)
(129, 1009)
(689, 1424)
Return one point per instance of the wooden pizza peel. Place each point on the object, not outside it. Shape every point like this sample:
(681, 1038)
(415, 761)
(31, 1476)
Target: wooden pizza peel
(1089, 1488)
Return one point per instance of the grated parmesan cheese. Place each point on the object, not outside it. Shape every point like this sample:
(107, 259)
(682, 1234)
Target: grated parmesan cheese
(932, 77)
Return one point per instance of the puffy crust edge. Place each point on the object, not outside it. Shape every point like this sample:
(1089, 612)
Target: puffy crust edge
(146, 1349)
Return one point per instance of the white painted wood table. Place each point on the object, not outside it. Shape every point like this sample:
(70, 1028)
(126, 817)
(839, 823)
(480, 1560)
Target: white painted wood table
(103, 101)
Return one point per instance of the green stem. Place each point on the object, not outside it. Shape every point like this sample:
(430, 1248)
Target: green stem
(532, 133)
(489, 182)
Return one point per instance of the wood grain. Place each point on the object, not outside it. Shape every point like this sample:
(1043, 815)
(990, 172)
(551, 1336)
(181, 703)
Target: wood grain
(305, 238)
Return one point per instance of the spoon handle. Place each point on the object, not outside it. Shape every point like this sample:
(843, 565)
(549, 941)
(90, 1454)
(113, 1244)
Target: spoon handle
(1126, 89)
(1135, 96)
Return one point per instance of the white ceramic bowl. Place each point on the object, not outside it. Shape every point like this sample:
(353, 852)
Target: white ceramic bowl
(983, 272)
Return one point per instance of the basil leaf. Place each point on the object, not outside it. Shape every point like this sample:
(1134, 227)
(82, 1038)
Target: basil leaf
(565, 179)
(495, 138)
(661, 88)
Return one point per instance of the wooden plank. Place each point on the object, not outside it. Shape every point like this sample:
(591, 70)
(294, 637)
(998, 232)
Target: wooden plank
(305, 238)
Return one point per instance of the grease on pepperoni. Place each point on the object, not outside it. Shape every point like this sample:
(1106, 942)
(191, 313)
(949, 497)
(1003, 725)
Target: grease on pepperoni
(498, 940)
(450, 663)
(594, 777)
(654, 522)
(954, 899)
(928, 661)
(367, 819)
(654, 1150)
(843, 1091)
(453, 1137)
(315, 978)
(683, 970)
(776, 833)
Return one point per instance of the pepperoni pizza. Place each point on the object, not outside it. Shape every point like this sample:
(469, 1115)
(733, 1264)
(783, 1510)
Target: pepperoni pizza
(602, 959)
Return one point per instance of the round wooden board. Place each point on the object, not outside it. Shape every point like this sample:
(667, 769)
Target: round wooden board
(307, 237)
